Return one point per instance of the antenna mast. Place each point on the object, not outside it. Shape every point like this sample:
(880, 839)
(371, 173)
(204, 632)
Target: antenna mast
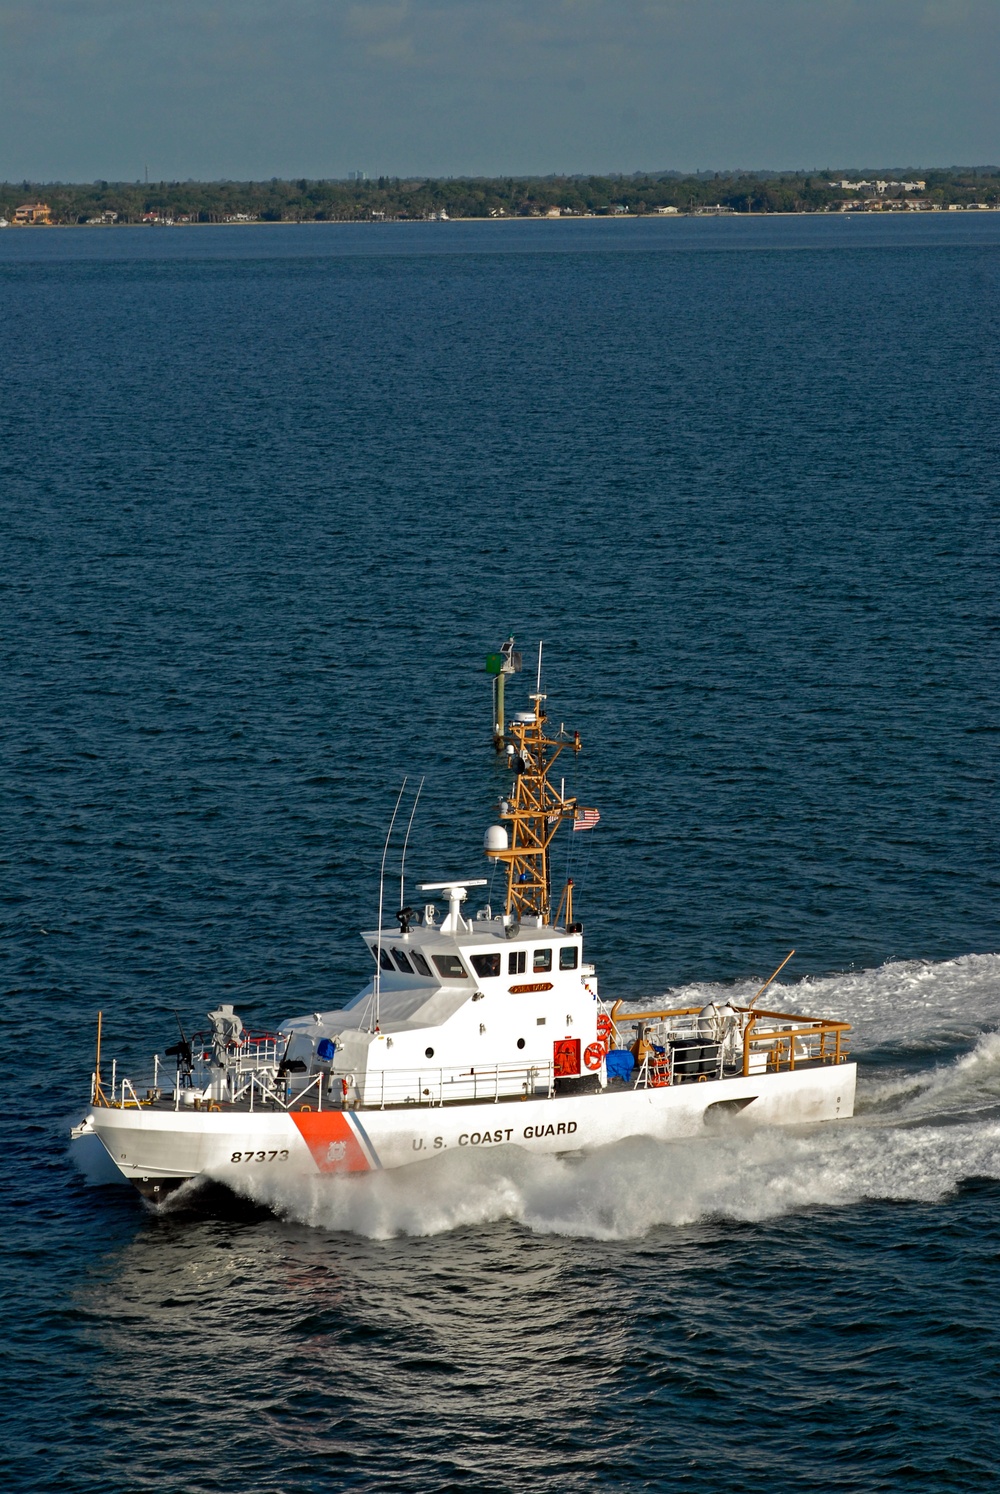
(535, 810)
(505, 661)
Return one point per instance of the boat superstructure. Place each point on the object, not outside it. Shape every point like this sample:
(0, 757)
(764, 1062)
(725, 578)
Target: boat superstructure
(478, 1027)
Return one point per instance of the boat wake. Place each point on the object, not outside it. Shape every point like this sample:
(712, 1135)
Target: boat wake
(905, 1006)
(924, 1125)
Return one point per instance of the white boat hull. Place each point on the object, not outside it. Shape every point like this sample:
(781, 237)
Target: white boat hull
(157, 1149)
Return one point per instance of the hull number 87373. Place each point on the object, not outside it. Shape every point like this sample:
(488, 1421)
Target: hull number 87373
(271, 1156)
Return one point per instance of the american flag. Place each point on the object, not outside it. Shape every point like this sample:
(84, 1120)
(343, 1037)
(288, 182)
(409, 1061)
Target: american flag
(586, 819)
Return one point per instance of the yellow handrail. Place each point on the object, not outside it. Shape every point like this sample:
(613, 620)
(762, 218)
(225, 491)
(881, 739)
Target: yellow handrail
(776, 1041)
(690, 1011)
(754, 1035)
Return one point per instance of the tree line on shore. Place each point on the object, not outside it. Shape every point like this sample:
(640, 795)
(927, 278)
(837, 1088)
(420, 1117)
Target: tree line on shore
(304, 200)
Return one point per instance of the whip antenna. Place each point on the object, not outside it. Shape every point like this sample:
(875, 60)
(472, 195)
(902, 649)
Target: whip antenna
(406, 842)
(377, 993)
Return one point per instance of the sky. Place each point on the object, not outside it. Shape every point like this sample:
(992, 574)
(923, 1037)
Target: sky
(249, 89)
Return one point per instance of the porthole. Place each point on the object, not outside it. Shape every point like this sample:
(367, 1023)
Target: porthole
(428, 1052)
(520, 1042)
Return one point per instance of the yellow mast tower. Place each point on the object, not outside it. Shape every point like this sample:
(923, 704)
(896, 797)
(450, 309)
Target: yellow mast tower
(534, 813)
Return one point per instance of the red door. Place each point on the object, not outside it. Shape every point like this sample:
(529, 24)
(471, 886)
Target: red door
(566, 1057)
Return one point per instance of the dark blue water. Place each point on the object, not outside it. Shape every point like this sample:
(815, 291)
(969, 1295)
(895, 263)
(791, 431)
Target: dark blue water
(269, 497)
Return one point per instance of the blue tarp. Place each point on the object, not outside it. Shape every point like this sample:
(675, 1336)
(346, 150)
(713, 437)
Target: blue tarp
(619, 1064)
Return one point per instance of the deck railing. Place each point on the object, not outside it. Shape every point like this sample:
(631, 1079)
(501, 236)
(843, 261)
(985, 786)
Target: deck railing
(389, 1087)
(768, 1042)
(440, 1086)
(796, 1040)
(332, 1089)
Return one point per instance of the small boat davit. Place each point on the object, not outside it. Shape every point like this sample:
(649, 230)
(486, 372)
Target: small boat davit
(475, 1030)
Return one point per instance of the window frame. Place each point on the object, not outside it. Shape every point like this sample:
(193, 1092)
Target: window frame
(460, 974)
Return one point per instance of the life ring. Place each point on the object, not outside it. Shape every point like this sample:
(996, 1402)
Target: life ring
(604, 1026)
(593, 1055)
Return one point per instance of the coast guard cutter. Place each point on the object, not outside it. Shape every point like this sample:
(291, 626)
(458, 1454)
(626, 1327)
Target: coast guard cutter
(479, 1028)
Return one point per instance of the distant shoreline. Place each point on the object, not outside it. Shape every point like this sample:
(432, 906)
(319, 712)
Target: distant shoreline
(880, 213)
(105, 204)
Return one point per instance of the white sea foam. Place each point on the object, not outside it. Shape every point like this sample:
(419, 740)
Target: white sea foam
(917, 1136)
(902, 1004)
(625, 1191)
(964, 1088)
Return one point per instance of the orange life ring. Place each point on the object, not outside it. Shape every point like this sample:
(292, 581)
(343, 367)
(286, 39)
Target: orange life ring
(593, 1055)
(604, 1026)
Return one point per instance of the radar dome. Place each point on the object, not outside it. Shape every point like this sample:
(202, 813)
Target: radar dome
(495, 839)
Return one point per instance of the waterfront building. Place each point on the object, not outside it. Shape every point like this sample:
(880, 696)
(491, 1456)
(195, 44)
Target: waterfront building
(33, 213)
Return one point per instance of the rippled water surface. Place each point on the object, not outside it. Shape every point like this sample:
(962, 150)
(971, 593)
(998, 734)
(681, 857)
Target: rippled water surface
(269, 496)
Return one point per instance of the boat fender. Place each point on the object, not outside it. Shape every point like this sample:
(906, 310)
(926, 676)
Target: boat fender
(593, 1055)
(709, 1025)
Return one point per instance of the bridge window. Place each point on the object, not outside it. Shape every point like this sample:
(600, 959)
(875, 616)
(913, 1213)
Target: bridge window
(420, 964)
(402, 962)
(486, 964)
(515, 962)
(450, 966)
(569, 956)
(382, 956)
(543, 960)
